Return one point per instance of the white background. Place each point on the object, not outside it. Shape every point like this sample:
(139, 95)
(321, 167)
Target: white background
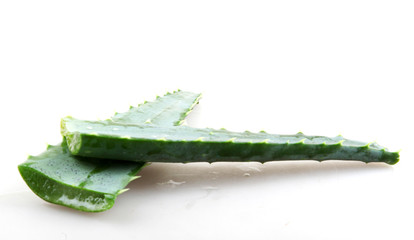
(321, 67)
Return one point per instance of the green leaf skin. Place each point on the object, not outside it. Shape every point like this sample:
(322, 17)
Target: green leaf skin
(169, 110)
(89, 184)
(186, 144)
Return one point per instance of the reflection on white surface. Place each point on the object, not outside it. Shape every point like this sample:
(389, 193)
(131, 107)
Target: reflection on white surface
(282, 199)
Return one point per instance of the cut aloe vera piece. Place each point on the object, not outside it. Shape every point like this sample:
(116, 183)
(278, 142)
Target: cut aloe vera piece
(88, 185)
(92, 185)
(186, 144)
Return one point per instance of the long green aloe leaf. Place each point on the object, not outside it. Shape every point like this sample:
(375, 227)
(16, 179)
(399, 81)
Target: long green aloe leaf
(92, 185)
(186, 144)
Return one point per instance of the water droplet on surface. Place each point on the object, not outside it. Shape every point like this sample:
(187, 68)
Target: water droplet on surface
(249, 168)
(209, 188)
(172, 183)
(246, 174)
(255, 169)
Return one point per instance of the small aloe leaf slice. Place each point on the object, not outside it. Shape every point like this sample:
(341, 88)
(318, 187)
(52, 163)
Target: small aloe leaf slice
(186, 144)
(89, 184)
(58, 177)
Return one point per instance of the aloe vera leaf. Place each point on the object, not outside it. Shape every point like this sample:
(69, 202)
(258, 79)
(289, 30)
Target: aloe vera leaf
(169, 110)
(58, 177)
(186, 144)
(88, 184)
